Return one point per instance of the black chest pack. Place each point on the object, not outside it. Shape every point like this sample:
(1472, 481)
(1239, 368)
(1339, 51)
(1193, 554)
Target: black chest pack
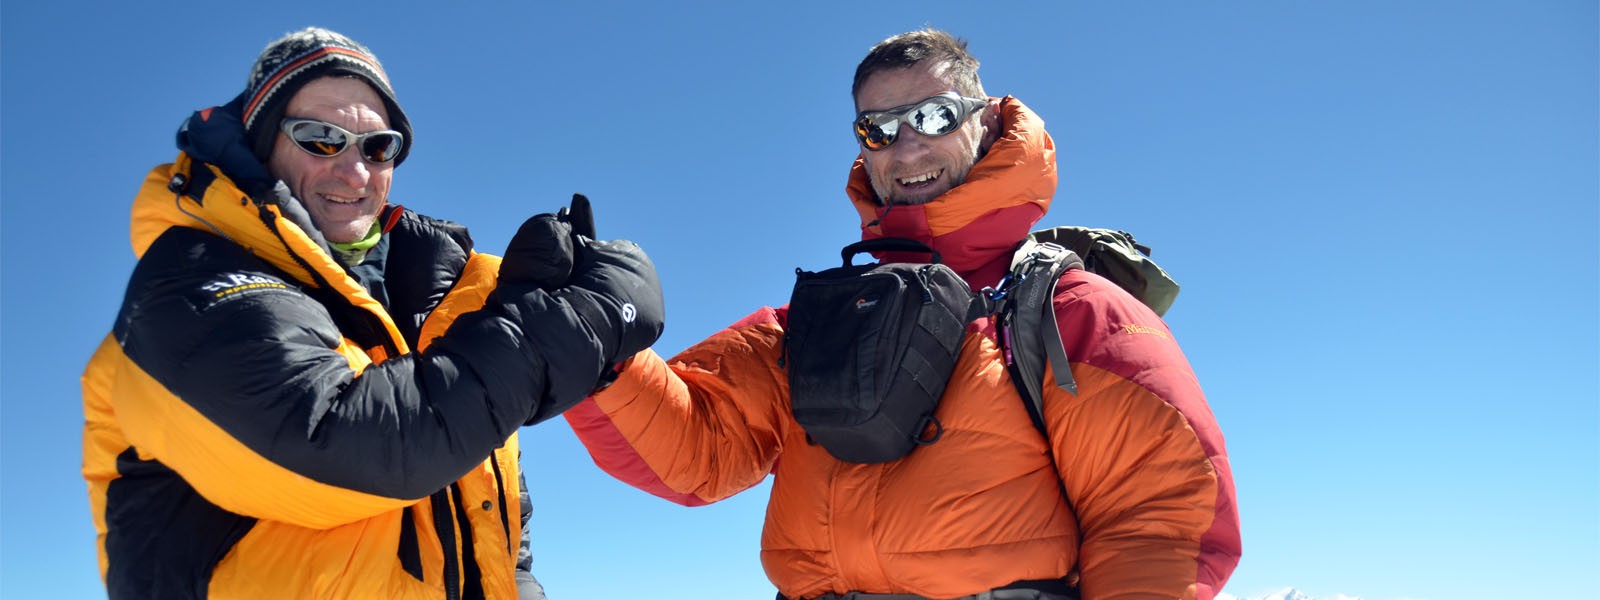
(870, 348)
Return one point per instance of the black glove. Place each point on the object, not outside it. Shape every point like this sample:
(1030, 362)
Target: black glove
(541, 253)
(580, 216)
(614, 291)
(615, 288)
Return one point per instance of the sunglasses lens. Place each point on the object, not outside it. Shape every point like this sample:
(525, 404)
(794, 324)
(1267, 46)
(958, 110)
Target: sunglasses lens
(318, 138)
(875, 136)
(381, 147)
(935, 117)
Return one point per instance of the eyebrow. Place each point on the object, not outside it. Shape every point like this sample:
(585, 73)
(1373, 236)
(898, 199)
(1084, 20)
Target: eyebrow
(906, 105)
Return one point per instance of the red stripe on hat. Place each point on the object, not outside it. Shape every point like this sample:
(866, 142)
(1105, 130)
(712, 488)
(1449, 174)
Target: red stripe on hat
(266, 87)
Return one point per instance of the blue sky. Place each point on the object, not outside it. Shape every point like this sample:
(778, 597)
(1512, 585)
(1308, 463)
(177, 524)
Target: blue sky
(1385, 216)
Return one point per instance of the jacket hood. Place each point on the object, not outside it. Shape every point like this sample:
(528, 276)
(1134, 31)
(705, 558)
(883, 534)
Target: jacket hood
(976, 225)
(216, 136)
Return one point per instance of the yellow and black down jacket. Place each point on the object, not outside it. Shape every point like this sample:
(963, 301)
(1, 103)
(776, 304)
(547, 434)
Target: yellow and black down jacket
(258, 425)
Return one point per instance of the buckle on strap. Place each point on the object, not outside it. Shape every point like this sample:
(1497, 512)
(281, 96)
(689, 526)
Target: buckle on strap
(1048, 250)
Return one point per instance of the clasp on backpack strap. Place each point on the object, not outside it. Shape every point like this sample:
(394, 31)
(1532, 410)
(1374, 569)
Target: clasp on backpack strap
(1022, 263)
(1046, 251)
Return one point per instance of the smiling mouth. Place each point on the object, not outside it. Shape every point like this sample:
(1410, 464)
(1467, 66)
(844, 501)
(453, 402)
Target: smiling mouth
(928, 177)
(341, 199)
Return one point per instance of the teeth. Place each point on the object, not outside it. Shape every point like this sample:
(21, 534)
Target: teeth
(339, 200)
(920, 178)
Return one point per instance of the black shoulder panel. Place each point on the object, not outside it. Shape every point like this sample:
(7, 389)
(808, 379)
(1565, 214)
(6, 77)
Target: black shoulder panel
(199, 272)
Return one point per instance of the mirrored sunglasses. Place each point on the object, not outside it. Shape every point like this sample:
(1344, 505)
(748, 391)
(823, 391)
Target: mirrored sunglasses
(933, 117)
(327, 140)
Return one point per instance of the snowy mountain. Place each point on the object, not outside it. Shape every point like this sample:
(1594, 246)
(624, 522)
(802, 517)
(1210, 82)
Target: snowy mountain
(1287, 593)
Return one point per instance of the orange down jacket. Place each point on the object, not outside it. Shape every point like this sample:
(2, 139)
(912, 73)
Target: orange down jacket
(1137, 450)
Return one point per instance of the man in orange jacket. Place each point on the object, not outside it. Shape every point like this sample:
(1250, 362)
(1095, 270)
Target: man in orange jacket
(1148, 510)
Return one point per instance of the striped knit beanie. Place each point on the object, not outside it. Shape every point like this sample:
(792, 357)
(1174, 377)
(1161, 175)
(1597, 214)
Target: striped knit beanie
(299, 58)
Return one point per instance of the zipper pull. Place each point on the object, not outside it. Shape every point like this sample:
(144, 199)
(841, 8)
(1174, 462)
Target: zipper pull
(1003, 331)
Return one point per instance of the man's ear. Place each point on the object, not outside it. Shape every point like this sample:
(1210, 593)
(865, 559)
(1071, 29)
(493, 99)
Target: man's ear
(991, 125)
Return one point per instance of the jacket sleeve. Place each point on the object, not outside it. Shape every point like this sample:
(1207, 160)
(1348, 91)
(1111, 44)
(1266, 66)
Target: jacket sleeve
(702, 427)
(244, 385)
(1139, 452)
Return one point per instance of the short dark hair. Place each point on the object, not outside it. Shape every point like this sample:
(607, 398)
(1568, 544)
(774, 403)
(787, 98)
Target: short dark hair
(909, 49)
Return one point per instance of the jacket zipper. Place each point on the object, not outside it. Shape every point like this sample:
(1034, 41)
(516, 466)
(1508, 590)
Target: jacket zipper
(444, 519)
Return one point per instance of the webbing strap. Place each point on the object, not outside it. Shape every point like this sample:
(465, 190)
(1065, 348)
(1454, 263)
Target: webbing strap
(1057, 350)
(1032, 322)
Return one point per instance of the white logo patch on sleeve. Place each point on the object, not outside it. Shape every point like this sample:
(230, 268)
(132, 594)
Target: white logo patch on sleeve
(233, 286)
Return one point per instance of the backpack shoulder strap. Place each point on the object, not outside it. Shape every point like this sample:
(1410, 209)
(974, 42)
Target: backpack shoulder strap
(1027, 316)
(1028, 321)
(1026, 312)
(1029, 334)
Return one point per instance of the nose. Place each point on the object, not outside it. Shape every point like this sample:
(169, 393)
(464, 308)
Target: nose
(911, 144)
(352, 170)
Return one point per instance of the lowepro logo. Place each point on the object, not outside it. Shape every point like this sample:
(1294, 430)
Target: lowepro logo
(865, 304)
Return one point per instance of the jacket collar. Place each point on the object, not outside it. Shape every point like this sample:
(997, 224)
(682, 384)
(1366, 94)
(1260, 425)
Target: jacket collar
(978, 224)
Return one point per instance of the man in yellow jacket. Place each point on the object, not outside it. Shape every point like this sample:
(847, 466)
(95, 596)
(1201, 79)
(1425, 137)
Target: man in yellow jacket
(312, 392)
(1127, 494)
